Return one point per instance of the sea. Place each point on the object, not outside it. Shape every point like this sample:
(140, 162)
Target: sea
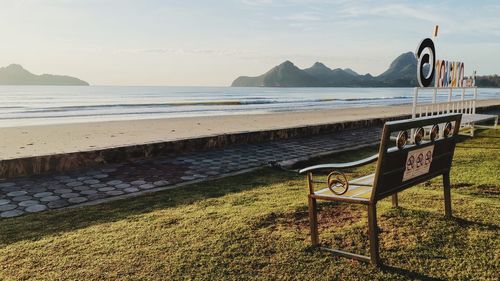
(41, 105)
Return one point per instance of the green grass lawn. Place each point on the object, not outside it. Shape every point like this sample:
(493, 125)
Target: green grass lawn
(255, 226)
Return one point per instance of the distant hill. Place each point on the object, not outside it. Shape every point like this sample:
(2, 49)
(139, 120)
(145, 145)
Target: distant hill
(402, 72)
(488, 81)
(283, 75)
(327, 77)
(350, 71)
(15, 74)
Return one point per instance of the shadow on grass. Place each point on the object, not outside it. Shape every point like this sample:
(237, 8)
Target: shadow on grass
(488, 190)
(479, 147)
(331, 215)
(408, 273)
(442, 234)
(37, 226)
(461, 185)
(467, 223)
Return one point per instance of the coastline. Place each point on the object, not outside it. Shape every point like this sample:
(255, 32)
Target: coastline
(18, 142)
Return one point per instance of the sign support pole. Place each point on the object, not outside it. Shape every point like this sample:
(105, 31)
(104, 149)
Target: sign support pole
(415, 98)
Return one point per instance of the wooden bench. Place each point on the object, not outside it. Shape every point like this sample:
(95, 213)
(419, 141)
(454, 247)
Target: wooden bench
(411, 161)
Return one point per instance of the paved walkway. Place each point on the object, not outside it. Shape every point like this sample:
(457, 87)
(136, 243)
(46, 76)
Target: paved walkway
(39, 193)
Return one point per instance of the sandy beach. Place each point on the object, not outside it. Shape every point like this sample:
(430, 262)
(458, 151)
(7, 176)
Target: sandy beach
(51, 139)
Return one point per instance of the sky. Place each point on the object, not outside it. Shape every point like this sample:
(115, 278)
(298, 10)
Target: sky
(211, 42)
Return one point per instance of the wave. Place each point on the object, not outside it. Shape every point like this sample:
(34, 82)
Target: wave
(83, 115)
(11, 107)
(199, 103)
(367, 99)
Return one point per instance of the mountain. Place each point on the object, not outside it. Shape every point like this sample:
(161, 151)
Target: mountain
(15, 74)
(331, 77)
(319, 70)
(350, 71)
(402, 72)
(283, 75)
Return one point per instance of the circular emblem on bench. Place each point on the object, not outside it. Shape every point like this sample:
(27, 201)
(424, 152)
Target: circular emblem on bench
(447, 129)
(418, 136)
(337, 183)
(402, 139)
(434, 132)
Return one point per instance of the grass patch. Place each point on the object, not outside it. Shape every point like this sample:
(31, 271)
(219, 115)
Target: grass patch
(255, 226)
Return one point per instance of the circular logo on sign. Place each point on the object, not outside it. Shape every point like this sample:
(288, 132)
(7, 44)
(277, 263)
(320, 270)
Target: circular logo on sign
(426, 55)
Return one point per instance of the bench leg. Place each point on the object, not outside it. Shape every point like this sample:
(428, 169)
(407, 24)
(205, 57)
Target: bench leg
(395, 200)
(313, 221)
(373, 233)
(447, 195)
(472, 129)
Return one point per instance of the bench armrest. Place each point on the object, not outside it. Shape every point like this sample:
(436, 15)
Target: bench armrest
(330, 166)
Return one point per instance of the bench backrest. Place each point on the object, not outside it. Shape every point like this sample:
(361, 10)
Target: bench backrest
(400, 168)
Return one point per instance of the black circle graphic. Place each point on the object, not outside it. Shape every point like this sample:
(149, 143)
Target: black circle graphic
(426, 54)
(428, 158)
(410, 163)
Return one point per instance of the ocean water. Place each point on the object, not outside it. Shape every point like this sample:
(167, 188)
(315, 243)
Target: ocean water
(38, 105)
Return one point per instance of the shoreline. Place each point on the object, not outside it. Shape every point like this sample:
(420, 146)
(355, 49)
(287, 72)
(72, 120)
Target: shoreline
(29, 141)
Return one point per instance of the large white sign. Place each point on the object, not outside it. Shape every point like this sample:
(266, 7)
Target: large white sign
(418, 162)
(443, 73)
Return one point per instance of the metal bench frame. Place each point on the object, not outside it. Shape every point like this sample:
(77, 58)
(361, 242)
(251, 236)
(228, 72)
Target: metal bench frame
(388, 179)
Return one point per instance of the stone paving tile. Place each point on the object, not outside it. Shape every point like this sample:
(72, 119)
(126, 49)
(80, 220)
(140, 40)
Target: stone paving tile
(7, 207)
(39, 193)
(9, 214)
(35, 208)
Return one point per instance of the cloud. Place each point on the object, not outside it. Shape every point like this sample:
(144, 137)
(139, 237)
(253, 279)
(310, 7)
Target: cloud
(388, 10)
(301, 17)
(196, 51)
(257, 2)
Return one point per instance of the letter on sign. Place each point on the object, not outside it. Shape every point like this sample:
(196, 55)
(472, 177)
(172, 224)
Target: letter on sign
(418, 162)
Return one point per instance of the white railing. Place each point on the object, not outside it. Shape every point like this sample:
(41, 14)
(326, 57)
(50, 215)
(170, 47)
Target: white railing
(464, 103)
